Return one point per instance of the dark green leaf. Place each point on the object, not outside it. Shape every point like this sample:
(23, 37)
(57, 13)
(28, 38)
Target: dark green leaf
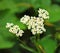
(48, 44)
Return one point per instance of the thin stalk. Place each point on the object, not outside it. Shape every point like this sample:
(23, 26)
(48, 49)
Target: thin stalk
(23, 45)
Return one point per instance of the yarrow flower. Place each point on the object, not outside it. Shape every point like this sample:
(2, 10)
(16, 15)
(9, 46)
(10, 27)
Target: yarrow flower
(36, 24)
(43, 13)
(14, 29)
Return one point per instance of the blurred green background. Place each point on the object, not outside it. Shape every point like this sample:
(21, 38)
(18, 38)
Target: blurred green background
(13, 10)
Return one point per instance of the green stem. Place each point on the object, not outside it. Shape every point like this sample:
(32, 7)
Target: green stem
(36, 39)
(28, 48)
(23, 45)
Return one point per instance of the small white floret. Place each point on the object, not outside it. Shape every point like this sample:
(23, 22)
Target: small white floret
(9, 25)
(43, 13)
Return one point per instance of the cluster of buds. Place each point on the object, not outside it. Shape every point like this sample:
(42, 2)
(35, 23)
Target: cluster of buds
(43, 13)
(14, 29)
(36, 24)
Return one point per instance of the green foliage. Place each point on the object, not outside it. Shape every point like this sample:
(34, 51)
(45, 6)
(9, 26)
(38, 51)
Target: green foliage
(57, 35)
(57, 0)
(8, 4)
(54, 13)
(48, 44)
(8, 8)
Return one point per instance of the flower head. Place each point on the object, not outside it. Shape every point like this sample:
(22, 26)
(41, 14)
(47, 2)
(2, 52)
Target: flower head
(36, 25)
(15, 30)
(43, 13)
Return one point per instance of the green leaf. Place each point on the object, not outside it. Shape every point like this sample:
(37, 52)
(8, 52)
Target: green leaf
(48, 44)
(32, 3)
(54, 13)
(45, 3)
(8, 4)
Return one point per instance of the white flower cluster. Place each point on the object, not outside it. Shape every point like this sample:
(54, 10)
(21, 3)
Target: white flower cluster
(36, 24)
(43, 13)
(25, 19)
(14, 29)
